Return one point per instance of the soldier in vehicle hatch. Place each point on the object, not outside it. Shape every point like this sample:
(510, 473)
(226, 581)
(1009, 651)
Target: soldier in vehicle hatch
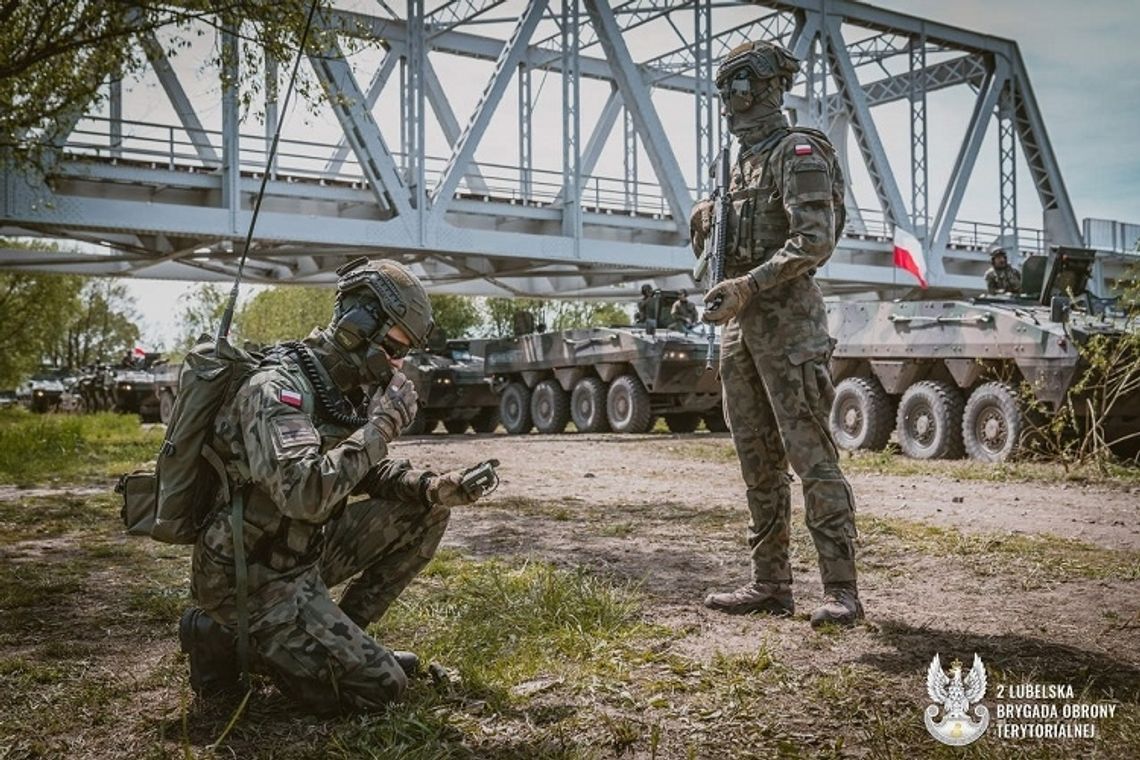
(642, 312)
(297, 440)
(1002, 277)
(786, 216)
(684, 311)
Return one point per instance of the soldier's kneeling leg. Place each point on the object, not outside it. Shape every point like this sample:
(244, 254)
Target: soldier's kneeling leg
(327, 663)
(212, 650)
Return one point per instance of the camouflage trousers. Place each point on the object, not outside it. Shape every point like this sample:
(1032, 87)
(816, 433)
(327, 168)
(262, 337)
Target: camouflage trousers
(777, 410)
(323, 658)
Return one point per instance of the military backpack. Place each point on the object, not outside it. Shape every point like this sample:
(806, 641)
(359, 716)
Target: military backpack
(172, 502)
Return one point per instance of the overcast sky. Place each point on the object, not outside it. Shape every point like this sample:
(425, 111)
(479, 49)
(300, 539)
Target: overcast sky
(1082, 60)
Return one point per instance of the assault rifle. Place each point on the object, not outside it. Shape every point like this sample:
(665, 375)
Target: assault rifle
(709, 270)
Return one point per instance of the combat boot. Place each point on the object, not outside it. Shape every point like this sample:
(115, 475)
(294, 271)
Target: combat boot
(841, 606)
(772, 598)
(212, 649)
(409, 662)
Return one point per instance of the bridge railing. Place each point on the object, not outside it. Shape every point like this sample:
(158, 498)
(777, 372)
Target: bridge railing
(1110, 235)
(175, 148)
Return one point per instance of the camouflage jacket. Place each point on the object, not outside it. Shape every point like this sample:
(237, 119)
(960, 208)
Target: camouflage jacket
(786, 215)
(685, 311)
(1007, 279)
(297, 471)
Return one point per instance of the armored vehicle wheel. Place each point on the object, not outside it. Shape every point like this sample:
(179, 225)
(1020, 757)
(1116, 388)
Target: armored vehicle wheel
(862, 416)
(930, 421)
(682, 422)
(992, 423)
(514, 409)
(715, 421)
(627, 406)
(456, 427)
(487, 420)
(550, 407)
(588, 406)
(166, 406)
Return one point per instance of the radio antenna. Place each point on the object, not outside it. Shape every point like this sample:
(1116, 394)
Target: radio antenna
(228, 314)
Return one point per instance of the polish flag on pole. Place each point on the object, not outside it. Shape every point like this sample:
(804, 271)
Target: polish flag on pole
(909, 255)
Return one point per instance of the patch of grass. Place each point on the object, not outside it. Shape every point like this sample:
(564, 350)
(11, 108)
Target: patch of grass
(1034, 559)
(616, 530)
(500, 624)
(38, 448)
(890, 462)
(35, 583)
(39, 517)
(702, 450)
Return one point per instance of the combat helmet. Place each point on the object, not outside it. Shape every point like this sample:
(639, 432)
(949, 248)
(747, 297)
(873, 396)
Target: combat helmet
(372, 297)
(748, 65)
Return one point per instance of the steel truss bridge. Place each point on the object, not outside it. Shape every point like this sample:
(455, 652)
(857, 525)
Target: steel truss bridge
(174, 199)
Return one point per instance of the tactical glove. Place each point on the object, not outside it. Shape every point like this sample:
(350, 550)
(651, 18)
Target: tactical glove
(700, 222)
(393, 408)
(725, 301)
(446, 490)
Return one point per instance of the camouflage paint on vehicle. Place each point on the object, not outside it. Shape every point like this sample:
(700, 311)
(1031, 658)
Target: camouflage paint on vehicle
(452, 389)
(952, 349)
(663, 367)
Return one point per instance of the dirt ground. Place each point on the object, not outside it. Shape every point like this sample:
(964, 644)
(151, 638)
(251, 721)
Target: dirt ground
(1042, 580)
(607, 470)
(668, 513)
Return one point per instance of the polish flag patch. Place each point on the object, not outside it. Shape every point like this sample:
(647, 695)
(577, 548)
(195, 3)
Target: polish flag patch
(803, 149)
(292, 398)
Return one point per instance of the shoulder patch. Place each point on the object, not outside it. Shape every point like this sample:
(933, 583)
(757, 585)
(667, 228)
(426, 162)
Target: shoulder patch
(290, 398)
(294, 432)
(803, 149)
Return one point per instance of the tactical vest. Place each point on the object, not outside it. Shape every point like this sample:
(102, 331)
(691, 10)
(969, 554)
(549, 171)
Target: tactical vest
(758, 223)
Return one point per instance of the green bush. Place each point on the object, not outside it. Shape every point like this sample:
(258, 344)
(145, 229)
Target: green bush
(43, 447)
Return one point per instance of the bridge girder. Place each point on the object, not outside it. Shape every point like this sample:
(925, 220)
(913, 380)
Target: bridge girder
(177, 208)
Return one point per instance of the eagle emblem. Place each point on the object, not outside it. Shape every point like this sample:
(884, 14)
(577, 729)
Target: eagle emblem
(955, 695)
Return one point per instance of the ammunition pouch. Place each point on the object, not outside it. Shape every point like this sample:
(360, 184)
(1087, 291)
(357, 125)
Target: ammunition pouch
(139, 490)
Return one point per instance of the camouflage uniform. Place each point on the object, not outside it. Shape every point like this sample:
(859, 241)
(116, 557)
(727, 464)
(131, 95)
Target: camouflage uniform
(775, 352)
(1004, 280)
(684, 312)
(302, 536)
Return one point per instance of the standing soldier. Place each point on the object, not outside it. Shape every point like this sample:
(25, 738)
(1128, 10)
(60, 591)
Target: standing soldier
(1001, 277)
(294, 450)
(786, 216)
(641, 314)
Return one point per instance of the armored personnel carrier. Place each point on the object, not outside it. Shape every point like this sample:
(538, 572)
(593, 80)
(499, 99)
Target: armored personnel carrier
(43, 391)
(452, 389)
(133, 389)
(618, 379)
(93, 386)
(165, 376)
(946, 375)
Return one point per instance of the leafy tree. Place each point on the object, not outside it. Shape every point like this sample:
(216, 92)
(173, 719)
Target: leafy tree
(501, 313)
(55, 56)
(104, 328)
(285, 312)
(202, 308)
(455, 316)
(34, 310)
(553, 314)
(563, 315)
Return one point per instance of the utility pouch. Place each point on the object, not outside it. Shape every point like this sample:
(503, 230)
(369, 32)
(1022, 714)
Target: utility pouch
(139, 490)
(744, 213)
